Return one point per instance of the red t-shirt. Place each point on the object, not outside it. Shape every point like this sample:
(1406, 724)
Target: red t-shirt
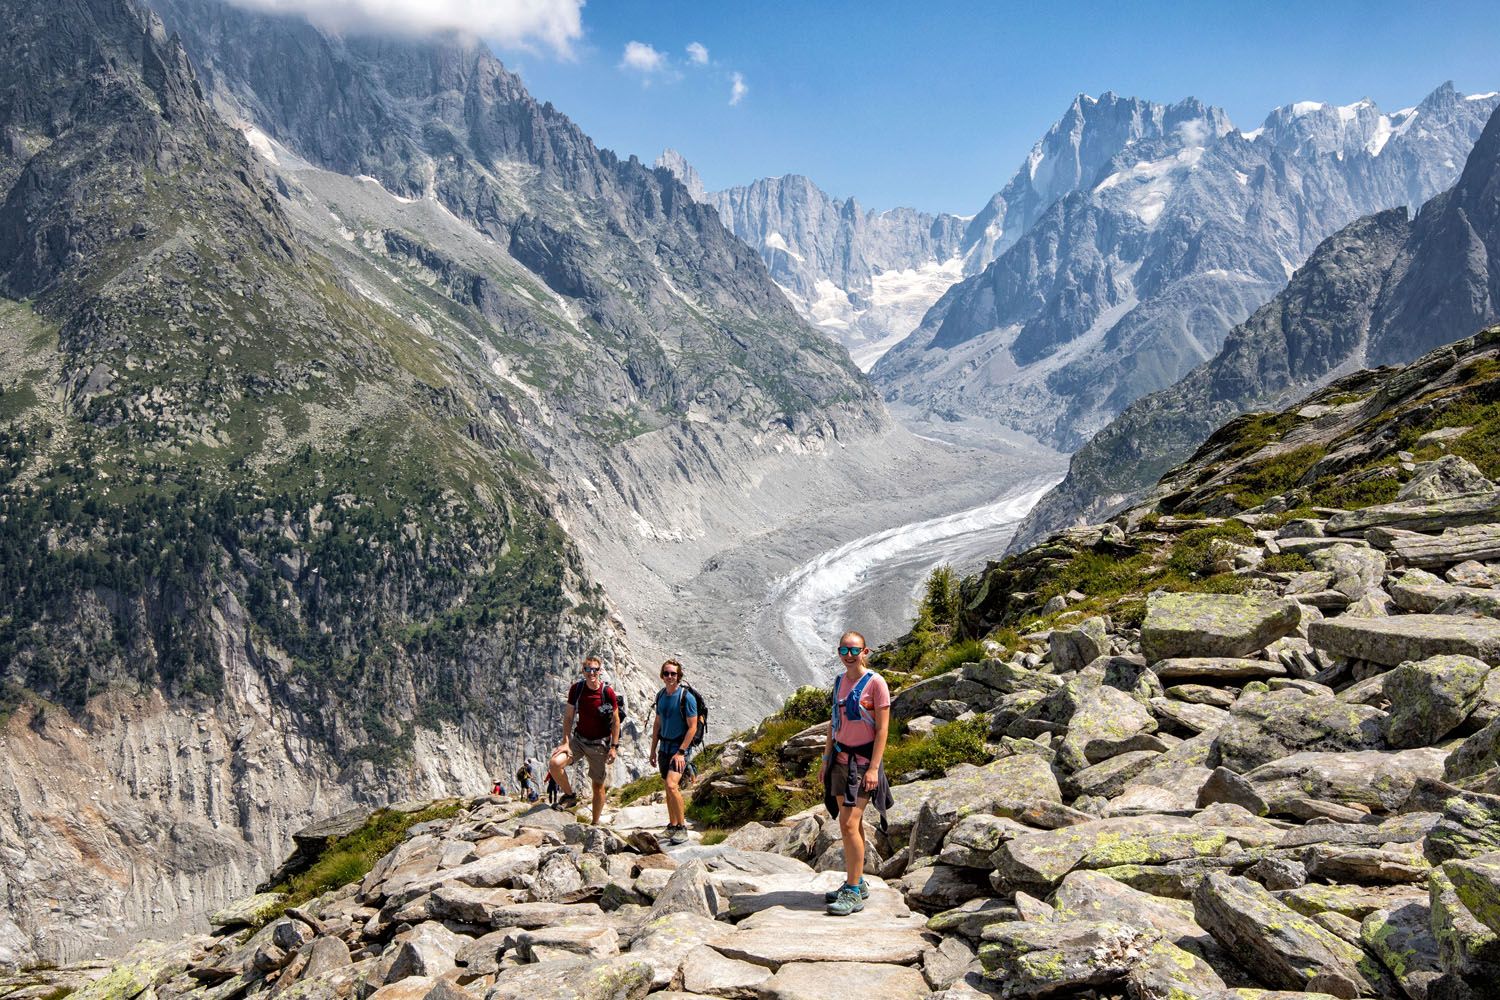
(595, 711)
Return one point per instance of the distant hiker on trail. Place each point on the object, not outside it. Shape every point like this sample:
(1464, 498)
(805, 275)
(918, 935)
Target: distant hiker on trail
(595, 708)
(852, 771)
(672, 738)
(552, 790)
(526, 782)
(497, 788)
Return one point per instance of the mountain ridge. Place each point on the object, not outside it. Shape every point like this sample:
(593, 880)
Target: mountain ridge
(1383, 290)
(1121, 287)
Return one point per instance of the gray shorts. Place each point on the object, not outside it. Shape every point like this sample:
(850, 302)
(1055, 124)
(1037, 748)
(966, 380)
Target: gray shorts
(595, 754)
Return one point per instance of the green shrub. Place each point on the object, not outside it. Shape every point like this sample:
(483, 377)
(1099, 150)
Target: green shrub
(954, 743)
(1286, 562)
(349, 858)
(641, 787)
(712, 837)
(1354, 495)
(809, 705)
(953, 657)
(1257, 483)
(1193, 552)
(941, 600)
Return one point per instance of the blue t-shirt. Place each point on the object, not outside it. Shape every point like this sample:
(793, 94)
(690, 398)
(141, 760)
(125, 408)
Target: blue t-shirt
(668, 707)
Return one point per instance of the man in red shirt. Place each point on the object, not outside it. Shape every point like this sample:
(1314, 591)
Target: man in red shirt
(596, 737)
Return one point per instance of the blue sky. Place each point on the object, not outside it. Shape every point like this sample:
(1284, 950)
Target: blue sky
(934, 104)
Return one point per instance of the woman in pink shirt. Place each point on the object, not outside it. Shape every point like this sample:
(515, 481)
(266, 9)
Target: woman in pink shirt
(851, 772)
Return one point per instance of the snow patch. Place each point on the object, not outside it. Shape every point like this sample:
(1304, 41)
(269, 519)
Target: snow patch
(396, 197)
(1306, 108)
(1147, 185)
(1254, 133)
(778, 242)
(1483, 97)
(261, 143)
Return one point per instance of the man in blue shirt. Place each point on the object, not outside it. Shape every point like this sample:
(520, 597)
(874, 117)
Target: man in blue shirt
(671, 743)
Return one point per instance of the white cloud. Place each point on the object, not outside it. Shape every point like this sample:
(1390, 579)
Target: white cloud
(643, 58)
(554, 24)
(697, 54)
(737, 88)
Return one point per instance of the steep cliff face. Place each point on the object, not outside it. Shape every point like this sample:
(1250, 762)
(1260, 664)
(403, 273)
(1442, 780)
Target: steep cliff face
(677, 401)
(262, 539)
(1383, 290)
(1127, 281)
(864, 277)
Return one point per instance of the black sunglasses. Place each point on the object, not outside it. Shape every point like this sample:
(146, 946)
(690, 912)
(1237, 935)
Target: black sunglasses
(592, 670)
(851, 650)
(669, 673)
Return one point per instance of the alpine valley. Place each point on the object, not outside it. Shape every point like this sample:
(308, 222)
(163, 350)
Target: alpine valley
(350, 396)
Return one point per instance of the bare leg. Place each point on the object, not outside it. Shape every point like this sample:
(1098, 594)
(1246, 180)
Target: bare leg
(557, 768)
(851, 827)
(598, 803)
(675, 812)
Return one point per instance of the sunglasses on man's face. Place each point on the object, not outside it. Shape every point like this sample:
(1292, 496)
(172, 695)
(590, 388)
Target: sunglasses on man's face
(851, 650)
(592, 670)
(669, 674)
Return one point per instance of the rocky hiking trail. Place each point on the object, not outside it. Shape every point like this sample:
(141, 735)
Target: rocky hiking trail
(1240, 744)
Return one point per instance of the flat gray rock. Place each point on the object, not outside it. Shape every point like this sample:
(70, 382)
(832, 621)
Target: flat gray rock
(1218, 625)
(1006, 786)
(814, 937)
(844, 980)
(1436, 515)
(1269, 726)
(1396, 639)
(1217, 668)
(623, 977)
(709, 973)
(1377, 779)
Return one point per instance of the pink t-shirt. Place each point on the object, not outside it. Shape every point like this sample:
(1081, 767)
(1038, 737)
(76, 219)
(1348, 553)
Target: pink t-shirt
(877, 694)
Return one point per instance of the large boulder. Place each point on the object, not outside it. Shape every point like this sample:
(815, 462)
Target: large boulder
(1402, 939)
(1357, 571)
(250, 911)
(1038, 959)
(687, 891)
(623, 977)
(1286, 949)
(1469, 824)
(1475, 755)
(1266, 726)
(1008, 786)
(1401, 638)
(1372, 779)
(1214, 624)
(428, 949)
(1443, 478)
(1466, 945)
(1075, 648)
(1430, 698)
(1105, 723)
(1477, 882)
(1036, 862)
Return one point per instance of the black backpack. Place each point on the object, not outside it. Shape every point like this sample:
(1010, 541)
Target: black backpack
(682, 707)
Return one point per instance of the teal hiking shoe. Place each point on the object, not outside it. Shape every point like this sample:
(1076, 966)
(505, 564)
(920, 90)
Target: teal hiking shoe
(863, 887)
(849, 901)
